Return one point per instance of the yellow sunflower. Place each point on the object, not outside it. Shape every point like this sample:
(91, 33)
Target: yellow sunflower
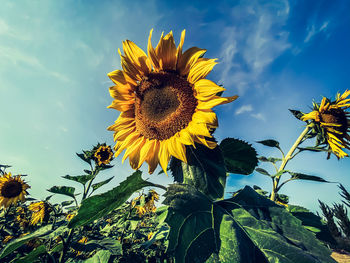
(335, 122)
(103, 155)
(165, 102)
(12, 189)
(39, 210)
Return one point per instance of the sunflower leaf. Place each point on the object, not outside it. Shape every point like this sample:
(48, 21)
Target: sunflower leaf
(84, 157)
(63, 190)
(300, 176)
(100, 205)
(270, 143)
(240, 157)
(83, 179)
(205, 170)
(33, 255)
(98, 185)
(18, 242)
(262, 171)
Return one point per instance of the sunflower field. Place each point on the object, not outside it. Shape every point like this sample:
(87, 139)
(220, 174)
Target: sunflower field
(166, 118)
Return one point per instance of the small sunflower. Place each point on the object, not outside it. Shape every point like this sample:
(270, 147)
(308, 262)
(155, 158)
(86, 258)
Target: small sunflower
(12, 189)
(39, 210)
(103, 155)
(334, 121)
(165, 102)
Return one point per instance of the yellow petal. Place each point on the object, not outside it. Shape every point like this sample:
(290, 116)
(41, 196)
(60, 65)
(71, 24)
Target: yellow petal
(207, 117)
(166, 52)
(177, 149)
(185, 137)
(179, 48)
(131, 73)
(200, 69)
(153, 159)
(198, 129)
(164, 155)
(121, 135)
(152, 53)
(120, 93)
(314, 115)
(206, 89)
(202, 140)
(146, 150)
(137, 57)
(122, 105)
(187, 59)
(119, 79)
(134, 147)
(215, 101)
(134, 157)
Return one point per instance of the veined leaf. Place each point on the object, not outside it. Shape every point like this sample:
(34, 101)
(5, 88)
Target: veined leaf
(18, 242)
(262, 171)
(31, 256)
(204, 170)
(62, 190)
(98, 185)
(84, 157)
(83, 179)
(240, 157)
(270, 143)
(100, 205)
(300, 176)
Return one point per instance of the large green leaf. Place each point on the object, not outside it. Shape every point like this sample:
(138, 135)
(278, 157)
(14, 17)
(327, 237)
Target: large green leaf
(199, 228)
(101, 256)
(279, 235)
(83, 179)
(247, 228)
(18, 242)
(312, 222)
(204, 170)
(62, 190)
(32, 255)
(240, 157)
(270, 143)
(98, 206)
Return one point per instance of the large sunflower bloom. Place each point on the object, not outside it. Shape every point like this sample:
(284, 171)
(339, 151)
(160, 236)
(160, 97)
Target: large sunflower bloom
(39, 211)
(335, 122)
(12, 189)
(165, 102)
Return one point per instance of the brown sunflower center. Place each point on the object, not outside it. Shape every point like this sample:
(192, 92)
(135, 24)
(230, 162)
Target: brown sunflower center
(336, 116)
(104, 154)
(11, 189)
(164, 105)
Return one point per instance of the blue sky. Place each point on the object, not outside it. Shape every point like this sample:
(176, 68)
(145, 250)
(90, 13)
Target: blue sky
(276, 55)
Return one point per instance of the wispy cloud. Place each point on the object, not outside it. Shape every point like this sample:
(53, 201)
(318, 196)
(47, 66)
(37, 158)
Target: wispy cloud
(258, 116)
(244, 108)
(252, 45)
(314, 30)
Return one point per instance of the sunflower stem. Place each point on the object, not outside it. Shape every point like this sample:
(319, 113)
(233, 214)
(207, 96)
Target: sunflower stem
(65, 245)
(285, 160)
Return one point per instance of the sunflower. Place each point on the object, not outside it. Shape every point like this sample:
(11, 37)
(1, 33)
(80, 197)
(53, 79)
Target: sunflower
(39, 211)
(103, 155)
(165, 102)
(12, 189)
(334, 122)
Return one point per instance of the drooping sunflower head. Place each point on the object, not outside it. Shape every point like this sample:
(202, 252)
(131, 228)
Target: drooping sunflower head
(12, 189)
(334, 122)
(39, 210)
(165, 102)
(103, 154)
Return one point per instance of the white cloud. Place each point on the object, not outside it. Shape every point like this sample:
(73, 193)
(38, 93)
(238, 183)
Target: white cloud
(244, 108)
(254, 43)
(258, 116)
(312, 31)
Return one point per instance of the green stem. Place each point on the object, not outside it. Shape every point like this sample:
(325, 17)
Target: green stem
(285, 160)
(65, 245)
(89, 185)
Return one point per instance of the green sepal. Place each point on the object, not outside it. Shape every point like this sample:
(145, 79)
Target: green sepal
(297, 114)
(262, 171)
